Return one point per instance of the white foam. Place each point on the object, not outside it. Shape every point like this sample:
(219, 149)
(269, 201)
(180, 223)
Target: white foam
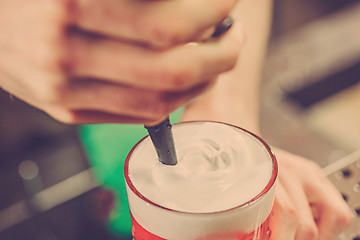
(219, 167)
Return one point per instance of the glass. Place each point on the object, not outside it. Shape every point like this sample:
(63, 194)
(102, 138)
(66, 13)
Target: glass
(247, 220)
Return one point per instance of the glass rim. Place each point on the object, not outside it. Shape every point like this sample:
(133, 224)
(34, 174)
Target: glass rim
(266, 189)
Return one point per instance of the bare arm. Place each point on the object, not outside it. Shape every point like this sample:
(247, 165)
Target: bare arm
(307, 206)
(235, 99)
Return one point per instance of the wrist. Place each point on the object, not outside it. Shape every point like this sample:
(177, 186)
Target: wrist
(223, 104)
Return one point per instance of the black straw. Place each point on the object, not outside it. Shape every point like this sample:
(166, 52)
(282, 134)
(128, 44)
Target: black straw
(163, 140)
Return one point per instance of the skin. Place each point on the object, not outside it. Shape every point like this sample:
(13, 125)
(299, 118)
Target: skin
(133, 61)
(83, 61)
(307, 206)
(302, 185)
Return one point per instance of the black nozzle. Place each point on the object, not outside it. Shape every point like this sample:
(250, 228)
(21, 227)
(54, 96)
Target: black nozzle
(163, 140)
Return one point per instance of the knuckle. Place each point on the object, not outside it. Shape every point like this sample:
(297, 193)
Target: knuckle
(341, 216)
(240, 36)
(314, 166)
(167, 37)
(343, 219)
(49, 60)
(157, 32)
(53, 93)
(63, 115)
(49, 55)
(57, 12)
(231, 56)
(309, 230)
(232, 59)
(291, 213)
(181, 79)
(59, 94)
(175, 79)
(49, 38)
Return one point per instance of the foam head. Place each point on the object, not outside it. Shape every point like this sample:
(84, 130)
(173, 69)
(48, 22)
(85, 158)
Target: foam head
(220, 167)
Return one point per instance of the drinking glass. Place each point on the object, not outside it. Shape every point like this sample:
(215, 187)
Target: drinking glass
(246, 220)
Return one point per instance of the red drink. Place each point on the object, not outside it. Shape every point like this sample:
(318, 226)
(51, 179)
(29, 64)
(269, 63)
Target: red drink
(221, 189)
(263, 232)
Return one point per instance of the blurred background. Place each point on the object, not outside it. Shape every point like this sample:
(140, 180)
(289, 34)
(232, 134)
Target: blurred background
(51, 183)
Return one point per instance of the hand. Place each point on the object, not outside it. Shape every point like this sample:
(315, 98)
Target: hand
(307, 206)
(88, 61)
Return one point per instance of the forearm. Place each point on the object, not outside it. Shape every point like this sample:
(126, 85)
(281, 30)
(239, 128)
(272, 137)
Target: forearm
(300, 209)
(235, 97)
